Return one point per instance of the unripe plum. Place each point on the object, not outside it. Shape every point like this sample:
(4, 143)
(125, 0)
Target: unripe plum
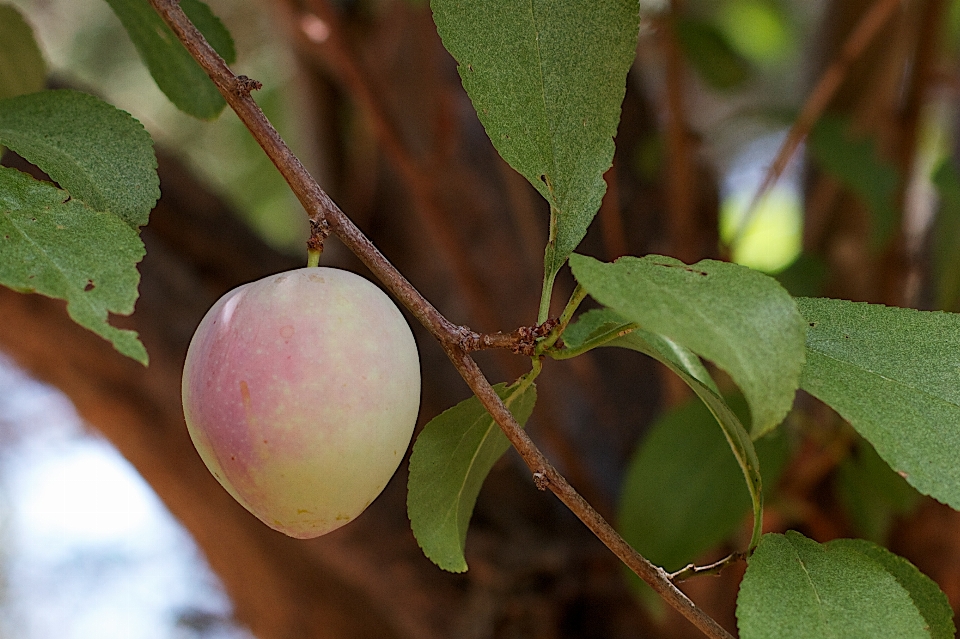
(300, 392)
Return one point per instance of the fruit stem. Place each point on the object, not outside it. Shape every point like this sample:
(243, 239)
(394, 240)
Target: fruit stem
(319, 231)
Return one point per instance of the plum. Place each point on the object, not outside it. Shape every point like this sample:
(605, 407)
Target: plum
(300, 392)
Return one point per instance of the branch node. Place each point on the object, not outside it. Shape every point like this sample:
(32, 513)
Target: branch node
(540, 480)
(319, 231)
(468, 340)
(527, 336)
(244, 85)
(522, 341)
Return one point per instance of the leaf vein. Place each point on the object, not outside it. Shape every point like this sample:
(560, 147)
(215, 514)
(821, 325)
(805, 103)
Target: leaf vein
(77, 295)
(892, 380)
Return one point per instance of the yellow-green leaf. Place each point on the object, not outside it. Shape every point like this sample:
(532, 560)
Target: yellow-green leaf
(451, 458)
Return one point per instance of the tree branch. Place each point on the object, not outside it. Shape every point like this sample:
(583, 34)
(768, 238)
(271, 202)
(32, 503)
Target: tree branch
(333, 51)
(321, 208)
(522, 341)
(336, 53)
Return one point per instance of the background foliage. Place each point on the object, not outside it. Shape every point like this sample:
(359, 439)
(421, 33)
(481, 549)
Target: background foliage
(390, 132)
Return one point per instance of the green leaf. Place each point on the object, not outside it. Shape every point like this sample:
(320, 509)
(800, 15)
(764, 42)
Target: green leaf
(856, 165)
(683, 493)
(174, 70)
(450, 460)
(805, 277)
(795, 588)
(547, 79)
(946, 237)
(709, 52)
(740, 319)
(22, 69)
(96, 152)
(925, 593)
(951, 28)
(605, 328)
(211, 27)
(872, 492)
(58, 247)
(760, 30)
(893, 374)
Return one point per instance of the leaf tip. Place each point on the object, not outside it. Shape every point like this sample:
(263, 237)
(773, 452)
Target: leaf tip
(134, 349)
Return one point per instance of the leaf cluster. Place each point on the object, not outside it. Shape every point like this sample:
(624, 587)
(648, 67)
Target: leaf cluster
(77, 238)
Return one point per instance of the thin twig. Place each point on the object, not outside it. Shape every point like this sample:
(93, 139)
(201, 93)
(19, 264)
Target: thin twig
(320, 207)
(865, 31)
(689, 571)
(522, 341)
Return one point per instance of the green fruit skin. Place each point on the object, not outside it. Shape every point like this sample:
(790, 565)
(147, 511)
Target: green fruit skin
(301, 392)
